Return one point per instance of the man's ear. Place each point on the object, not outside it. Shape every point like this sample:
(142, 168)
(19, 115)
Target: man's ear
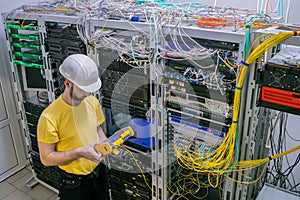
(68, 83)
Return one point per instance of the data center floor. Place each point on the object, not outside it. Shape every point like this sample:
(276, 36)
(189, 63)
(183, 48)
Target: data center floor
(14, 188)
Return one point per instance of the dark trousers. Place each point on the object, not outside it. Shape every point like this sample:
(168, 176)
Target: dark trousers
(93, 186)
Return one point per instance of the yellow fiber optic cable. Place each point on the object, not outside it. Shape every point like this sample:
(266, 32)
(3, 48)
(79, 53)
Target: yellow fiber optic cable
(221, 160)
(139, 167)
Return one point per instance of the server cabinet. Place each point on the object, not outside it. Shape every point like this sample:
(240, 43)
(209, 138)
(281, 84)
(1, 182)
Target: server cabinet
(175, 84)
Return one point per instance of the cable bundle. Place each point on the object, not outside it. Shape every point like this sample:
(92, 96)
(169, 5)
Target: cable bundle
(224, 159)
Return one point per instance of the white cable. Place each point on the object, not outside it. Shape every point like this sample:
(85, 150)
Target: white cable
(261, 6)
(216, 77)
(257, 6)
(287, 11)
(215, 3)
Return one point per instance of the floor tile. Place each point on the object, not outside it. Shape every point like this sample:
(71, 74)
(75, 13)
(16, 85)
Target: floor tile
(40, 192)
(5, 189)
(21, 183)
(54, 197)
(17, 195)
(18, 175)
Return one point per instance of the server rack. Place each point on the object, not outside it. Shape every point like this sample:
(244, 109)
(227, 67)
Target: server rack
(153, 100)
(35, 56)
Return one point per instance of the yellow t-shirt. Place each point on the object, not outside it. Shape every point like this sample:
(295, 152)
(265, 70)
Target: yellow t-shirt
(71, 127)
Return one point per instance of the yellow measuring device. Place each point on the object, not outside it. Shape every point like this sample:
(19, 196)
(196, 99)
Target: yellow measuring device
(111, 144)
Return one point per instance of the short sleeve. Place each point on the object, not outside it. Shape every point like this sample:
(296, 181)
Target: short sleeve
(99, 113)
(46, 131)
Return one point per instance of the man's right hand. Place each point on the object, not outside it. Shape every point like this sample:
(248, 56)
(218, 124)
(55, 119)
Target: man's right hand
(90, 153)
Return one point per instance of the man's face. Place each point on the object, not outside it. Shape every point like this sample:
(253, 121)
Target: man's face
(78, 94)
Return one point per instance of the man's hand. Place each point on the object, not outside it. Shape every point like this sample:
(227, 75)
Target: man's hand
(50, 157)
(90, 153)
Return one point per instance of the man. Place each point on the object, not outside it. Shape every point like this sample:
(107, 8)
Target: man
(70, 127)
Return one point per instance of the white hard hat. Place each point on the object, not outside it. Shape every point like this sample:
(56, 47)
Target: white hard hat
(82, 71)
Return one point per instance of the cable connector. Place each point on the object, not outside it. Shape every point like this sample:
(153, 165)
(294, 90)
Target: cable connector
(295, 32)
(134, 18)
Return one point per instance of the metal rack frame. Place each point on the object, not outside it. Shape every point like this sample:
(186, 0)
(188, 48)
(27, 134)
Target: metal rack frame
(249, 135)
